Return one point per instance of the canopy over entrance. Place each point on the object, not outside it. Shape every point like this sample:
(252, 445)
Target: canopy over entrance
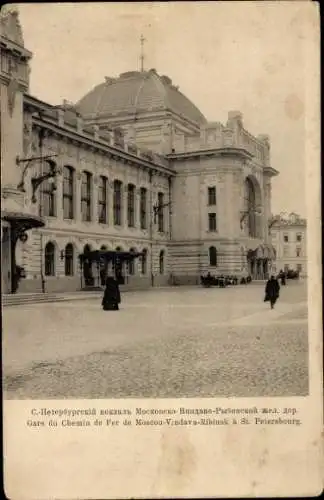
(22, 221)
(98, 261)
(17, 225)
(108, 256)
(260, 261)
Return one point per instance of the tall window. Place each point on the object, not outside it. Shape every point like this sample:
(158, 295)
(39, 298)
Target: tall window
(212, 195)
(117, 202)
(143, 208)
(161, 262)
(50, 259)
(250, 207)
(69, 257)
(144, 262)
(299, 237)
(68, 193)
(131, 264)
(286, 239)
(298, 252)
(299, 267)
(160, 212)
(131, 205)
(48, 194)
(212, 223)
(86, 196)
(286, 251)
(212, 256)
(102, 200)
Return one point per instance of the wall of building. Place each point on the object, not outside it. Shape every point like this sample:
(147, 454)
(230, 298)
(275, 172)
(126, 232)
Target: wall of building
(287, 251)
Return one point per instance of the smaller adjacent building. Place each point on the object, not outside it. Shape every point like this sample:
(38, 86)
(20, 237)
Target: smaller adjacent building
(289, 238)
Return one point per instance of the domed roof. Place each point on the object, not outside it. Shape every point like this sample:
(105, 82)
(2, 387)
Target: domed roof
(136, 91)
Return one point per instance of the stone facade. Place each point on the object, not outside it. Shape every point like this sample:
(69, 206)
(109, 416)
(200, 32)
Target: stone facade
(289, 238)
(213, 183)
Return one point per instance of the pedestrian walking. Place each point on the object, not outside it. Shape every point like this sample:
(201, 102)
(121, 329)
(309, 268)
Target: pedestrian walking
(272, 291)
(282, 276)
(111, 298)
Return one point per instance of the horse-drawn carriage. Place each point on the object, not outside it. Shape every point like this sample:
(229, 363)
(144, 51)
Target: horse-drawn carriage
(220, 281)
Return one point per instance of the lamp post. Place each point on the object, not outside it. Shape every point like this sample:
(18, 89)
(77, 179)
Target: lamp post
(246, 213)
(36, 182)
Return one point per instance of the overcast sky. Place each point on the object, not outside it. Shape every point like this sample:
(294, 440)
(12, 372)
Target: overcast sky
(245, 56)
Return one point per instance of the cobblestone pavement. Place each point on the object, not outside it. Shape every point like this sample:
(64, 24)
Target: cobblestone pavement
(179, 342)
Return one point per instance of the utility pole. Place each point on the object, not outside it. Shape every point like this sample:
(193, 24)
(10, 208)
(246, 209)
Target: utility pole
(41, 202)
(142, 40)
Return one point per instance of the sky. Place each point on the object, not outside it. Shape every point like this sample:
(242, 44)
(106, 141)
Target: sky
(247, 56)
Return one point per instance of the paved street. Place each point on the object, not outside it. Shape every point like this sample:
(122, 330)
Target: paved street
(179, 342)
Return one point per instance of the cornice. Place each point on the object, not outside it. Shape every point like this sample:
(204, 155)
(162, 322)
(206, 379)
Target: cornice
(226, 151)
(97, 145)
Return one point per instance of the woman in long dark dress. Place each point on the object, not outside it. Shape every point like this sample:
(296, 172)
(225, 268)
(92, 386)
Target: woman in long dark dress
(111, 298)
(272, 291)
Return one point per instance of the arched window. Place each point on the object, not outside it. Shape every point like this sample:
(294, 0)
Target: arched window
(117, 203)
(68, 192)
(212, 256)
(250, 207)
(69, 260)
(160, 212)
(131, 205)
(48, 193)
(161, 262)
(143, 208)
(131, 263)
(50, 259)
(102, 200)
(86, 185)
(144, 262)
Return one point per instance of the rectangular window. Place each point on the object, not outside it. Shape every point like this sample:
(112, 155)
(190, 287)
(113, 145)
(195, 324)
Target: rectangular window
(86, 196)
(48, 194)
(160, 212)
(286, 251)
(117, 202)
(212, 223)
(299, 237)
(211, 196)
(68, 193)
(299, 267)
(298, 252)
(286, 239)
(102, 200)
(143, 208)
(286, 268)
(131, 205)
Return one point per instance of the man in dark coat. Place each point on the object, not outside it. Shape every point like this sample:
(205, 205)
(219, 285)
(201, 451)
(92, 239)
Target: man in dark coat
(111, 298)
(272, 291)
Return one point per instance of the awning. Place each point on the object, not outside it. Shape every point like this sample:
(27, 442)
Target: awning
(22, 221)
(263, 252)
(108, 255)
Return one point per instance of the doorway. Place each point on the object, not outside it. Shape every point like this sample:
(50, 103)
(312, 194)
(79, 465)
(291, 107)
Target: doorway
(6, 271)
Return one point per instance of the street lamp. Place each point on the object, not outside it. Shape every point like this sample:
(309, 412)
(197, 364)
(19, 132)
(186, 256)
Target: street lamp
(246, 213)
(37, 180)
(157, 208)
